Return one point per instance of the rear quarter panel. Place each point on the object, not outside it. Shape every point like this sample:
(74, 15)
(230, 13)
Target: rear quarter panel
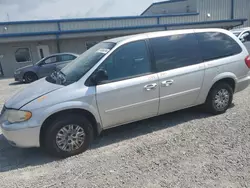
(247, 45)
(229, 67)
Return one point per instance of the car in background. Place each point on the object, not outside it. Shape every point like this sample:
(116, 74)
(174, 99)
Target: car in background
(44, 67)
(244, 35)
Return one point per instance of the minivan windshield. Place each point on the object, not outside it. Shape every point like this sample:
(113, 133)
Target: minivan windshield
(81, 65)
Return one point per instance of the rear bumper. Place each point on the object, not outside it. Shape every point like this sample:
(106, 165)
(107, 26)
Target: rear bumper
(242, 84)
(20, 136)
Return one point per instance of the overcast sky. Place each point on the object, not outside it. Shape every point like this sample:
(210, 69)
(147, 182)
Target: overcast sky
(15, 10)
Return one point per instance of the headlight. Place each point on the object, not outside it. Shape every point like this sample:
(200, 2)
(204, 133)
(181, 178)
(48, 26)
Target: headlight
(17, 72)
(15, 116)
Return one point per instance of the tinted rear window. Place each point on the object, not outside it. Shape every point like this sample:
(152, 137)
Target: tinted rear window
(175, 51)
(216, 45)
(66, 57)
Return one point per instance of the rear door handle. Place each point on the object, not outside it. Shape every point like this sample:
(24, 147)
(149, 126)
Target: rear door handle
(139, 59)
(150, 87)
(167, 83)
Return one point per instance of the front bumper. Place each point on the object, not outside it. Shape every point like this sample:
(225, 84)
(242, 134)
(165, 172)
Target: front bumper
(18, 77)
(20, 135)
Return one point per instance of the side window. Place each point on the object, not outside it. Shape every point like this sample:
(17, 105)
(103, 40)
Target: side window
(127, 61)
(22, 55)
(66, 58)
(50, 60)
(176, 51)
(216, 45)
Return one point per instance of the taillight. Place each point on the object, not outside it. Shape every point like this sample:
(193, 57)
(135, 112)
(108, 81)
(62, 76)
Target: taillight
(247, 60)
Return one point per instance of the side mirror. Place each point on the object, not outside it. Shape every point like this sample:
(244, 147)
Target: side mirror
(99, 76)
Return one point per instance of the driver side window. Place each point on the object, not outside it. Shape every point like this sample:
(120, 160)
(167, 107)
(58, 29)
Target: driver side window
(50, 60)
(127, 61)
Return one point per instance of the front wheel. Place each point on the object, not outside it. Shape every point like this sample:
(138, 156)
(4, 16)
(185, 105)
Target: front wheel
(219, 98)
(30, 77)
(68, 136)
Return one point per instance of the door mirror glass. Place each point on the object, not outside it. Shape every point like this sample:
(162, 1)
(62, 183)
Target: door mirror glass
(99, 76)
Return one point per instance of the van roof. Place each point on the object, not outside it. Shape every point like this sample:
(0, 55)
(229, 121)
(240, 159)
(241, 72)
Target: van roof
(162, 33)
(240, 29)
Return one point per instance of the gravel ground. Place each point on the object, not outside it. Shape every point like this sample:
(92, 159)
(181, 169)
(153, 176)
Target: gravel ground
(183, 149)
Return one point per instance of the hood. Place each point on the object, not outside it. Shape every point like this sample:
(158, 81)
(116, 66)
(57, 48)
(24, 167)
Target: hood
(23, 68)
(30, 93)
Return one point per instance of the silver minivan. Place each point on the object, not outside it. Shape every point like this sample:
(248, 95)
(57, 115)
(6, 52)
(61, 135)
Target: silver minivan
(123, 80)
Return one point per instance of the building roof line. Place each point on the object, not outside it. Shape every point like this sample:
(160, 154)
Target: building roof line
(61, 32)
(160, 3)
(96, 19)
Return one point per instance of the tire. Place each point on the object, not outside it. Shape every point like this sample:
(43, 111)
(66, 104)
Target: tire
(223, 92)
(30, 77)
(55, 128)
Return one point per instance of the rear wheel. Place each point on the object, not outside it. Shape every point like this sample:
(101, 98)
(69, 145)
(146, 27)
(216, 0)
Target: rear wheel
(68, 136)
(30, 77)
(219, 98)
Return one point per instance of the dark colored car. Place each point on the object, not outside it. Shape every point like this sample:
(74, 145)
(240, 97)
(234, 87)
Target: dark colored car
(44, 67)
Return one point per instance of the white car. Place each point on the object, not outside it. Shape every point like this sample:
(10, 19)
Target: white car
(244, 35)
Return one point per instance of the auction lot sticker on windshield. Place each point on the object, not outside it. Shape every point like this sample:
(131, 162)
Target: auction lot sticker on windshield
(103, 51)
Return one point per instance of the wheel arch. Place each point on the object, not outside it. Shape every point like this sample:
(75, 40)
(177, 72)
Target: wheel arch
(29, 72)
(228, 78)
(96, 125)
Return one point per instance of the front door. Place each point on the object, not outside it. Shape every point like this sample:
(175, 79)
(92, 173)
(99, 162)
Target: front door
(131, 92)
(181, 71)
(47, 66)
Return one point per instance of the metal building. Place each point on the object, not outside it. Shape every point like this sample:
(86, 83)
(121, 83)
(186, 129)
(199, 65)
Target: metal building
(25, 42)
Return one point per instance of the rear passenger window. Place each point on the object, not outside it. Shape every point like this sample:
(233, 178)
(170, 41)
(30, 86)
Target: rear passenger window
(216, 45)
(66, 57)
(175, 51)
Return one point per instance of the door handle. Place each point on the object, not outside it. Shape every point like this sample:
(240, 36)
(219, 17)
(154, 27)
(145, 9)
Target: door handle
(139, 59)
(150, 87)
(167, 83)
